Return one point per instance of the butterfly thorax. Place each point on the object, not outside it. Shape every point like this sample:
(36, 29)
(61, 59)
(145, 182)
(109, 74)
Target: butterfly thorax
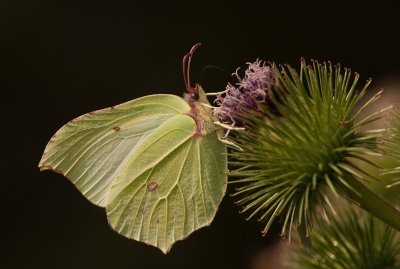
(201, 112)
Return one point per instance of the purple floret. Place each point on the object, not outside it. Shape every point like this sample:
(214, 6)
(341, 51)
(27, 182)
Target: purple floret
(248, 94)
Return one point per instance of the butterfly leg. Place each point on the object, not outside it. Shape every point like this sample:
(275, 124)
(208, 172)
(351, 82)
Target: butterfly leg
(224, 138)
(216, 93)
(209, 106)
(229, 127)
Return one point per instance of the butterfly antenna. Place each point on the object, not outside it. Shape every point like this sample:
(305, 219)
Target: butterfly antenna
(205, 68)
(187, 60)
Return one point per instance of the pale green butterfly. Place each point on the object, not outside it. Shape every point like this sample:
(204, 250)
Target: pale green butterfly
(155, 163)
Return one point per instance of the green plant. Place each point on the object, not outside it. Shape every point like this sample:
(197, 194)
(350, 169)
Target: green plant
(391, 147)
(291, 162)
(353, 239)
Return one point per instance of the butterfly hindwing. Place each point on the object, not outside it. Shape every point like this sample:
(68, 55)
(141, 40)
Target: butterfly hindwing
(172, 187)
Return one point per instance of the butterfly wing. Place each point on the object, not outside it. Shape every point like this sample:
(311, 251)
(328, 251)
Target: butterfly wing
(159, 175)
(92, 149)
(172, 186)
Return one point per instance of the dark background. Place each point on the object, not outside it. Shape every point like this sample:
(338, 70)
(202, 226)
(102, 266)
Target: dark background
(61, 59)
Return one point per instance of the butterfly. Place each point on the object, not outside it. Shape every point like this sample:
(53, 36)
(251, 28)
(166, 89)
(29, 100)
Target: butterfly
(156, 163)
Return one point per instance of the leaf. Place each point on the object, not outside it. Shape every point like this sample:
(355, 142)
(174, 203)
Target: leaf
(154, 163)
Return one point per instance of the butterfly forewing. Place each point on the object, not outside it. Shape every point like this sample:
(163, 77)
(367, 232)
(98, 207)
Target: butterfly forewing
(91, 149)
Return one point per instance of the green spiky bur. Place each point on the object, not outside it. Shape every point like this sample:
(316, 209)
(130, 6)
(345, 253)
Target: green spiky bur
(353, 239)
(292, 163)
(154, 163)
(391, 146)
(388, 177)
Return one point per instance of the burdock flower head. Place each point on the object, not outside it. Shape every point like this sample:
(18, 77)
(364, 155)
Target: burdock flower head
(250, 94)
(310, 143)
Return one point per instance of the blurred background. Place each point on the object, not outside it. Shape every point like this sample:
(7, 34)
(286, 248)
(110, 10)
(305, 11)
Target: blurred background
(61, 59)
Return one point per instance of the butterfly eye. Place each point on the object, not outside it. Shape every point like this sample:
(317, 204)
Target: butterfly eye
(195, 92)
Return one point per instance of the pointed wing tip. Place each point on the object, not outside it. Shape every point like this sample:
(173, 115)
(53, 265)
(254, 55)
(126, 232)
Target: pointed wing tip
(42, 166)
(165, 251)
(42, 163)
